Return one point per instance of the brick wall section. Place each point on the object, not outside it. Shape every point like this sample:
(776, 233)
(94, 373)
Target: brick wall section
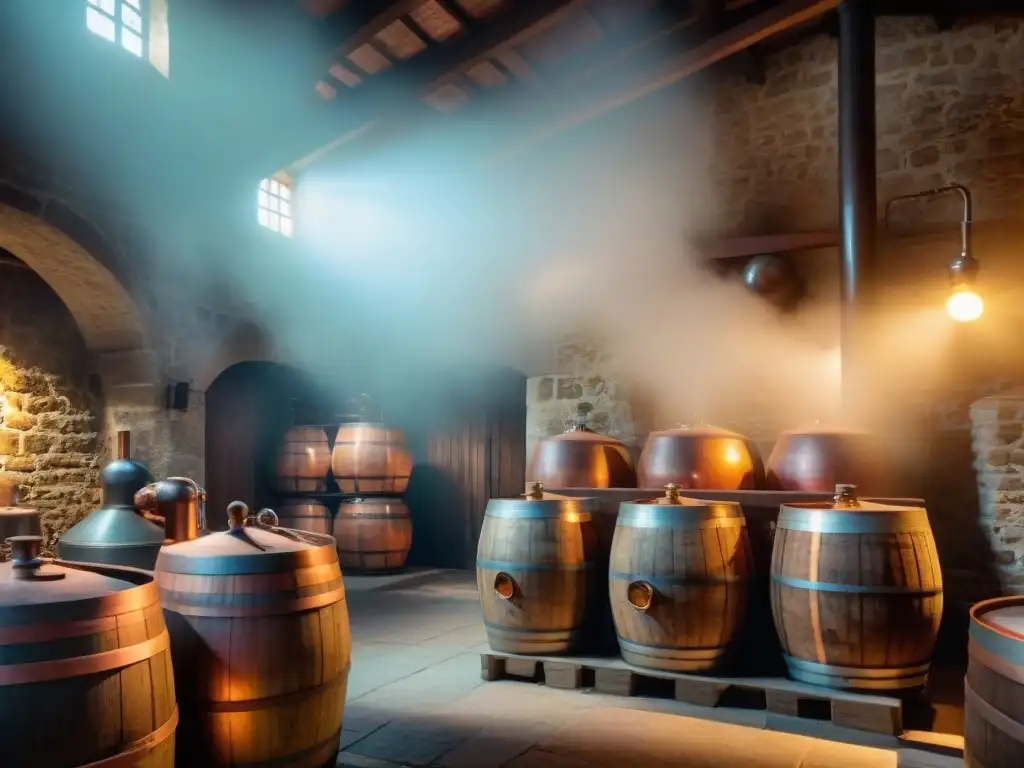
(950, 108)
(49, 419)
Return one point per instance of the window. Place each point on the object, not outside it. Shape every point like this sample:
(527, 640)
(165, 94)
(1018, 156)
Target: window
(119, 21)
(275, 206)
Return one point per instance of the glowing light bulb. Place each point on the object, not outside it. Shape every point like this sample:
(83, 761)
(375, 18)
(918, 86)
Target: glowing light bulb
(732, 455)
(964, 305)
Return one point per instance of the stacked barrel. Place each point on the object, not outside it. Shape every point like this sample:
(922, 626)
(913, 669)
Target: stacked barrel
(365, 472)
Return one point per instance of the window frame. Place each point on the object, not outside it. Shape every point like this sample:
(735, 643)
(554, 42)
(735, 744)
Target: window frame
(116, 17)
(275, 204)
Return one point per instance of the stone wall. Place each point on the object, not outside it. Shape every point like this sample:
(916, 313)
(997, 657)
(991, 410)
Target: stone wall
(950, 108)
(49, 414)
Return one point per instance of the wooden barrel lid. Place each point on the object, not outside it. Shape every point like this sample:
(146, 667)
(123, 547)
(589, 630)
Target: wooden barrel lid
(537, 504)
(35, 590)
(848, 514)
(997, 635)
(676, 511)
(249, 547)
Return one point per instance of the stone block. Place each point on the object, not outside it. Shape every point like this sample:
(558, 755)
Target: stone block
(10, 442)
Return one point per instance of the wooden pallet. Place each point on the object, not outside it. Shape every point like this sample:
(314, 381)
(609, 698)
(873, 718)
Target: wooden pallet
(873, 714)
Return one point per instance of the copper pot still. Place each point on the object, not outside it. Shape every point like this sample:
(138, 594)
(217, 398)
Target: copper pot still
(701, 458)
(582, 458)
(176, 503)
(817, 459)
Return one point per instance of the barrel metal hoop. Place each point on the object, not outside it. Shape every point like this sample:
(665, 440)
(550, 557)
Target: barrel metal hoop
(1006, 647)
(673, 518)
(283, 700)
(59, 669)
(397, 516)
(240, 565)
(539, 510)
(505, 565)
(993, 716)
(671, 651)
(856, 589)
(132, 753)
(859, 673)
(115, 604)
(294, 605)
(910, 520)
(667, 583)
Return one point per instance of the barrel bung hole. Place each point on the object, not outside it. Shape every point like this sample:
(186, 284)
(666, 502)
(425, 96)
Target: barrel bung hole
(504, 586)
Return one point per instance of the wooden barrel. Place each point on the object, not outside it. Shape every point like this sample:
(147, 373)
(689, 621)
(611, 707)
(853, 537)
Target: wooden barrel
(678, 581)
(303, 460)
(85, 665)
(373, 534)
(371, 458)
(305, 515)
(537, 573)
(856, 593)
(994, 687)
(260, 637)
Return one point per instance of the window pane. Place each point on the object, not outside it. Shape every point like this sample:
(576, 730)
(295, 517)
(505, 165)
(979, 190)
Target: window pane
(286, 208)
(286, 192)
(273, 221)
(107, 6)
(265, 184)
(131, 19)
(275, 188)
(131, 42)
(100, 25)
(264, 199)
(286, 226)
(262, 216)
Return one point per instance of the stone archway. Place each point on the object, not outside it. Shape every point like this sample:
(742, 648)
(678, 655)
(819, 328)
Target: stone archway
(73, 337)
(105, 312)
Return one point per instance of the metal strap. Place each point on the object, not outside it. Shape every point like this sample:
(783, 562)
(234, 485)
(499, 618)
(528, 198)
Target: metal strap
(136, 750)
(993, 716)
(978, 652)
(59, 669)
(857, 589)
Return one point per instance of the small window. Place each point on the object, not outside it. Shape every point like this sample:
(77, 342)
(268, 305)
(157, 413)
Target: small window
(119, 21)
(274, 206)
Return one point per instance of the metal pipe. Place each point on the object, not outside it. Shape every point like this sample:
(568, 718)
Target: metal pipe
(857, 173)
(124, 444)
(965, 225)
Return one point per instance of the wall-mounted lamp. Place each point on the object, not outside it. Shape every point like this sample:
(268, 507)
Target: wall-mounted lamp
(964, 304)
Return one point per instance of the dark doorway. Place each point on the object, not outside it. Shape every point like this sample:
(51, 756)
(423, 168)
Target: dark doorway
(249, 407)
(476, 452)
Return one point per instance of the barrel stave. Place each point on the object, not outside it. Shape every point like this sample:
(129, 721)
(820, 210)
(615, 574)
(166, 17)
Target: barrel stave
(369, 458)
(857, 610)
(552, 562)
(303, 460)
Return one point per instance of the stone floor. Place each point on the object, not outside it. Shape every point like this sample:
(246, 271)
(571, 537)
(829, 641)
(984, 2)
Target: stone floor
(416, 699)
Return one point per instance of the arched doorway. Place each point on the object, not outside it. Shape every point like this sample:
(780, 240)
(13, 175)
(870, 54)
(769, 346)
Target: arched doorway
(249, 407)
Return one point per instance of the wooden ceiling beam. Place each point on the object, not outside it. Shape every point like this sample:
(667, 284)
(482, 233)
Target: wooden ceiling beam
(580, 110)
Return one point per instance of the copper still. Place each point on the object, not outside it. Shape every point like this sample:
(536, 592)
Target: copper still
(116, 534)
(704, 458)
(814, 460)
(582, 458)
(177, 504)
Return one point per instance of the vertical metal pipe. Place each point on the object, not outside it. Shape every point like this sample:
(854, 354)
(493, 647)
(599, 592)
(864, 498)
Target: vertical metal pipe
(124, 444)
(857, 194)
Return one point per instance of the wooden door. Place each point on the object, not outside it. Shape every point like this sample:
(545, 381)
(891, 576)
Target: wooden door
(475, 455)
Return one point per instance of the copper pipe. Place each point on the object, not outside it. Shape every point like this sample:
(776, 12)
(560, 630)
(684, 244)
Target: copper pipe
(124, 444)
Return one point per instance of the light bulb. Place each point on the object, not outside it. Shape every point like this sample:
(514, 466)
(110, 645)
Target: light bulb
(964, 305)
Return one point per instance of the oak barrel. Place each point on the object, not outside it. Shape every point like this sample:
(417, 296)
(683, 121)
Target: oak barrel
(260, 636)
(994, 687)
(303, 460)
(537, 572)
(85, 665)
(371, 458)
(678, 581)
(856, 593)
(373, 534)
(305, 515)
